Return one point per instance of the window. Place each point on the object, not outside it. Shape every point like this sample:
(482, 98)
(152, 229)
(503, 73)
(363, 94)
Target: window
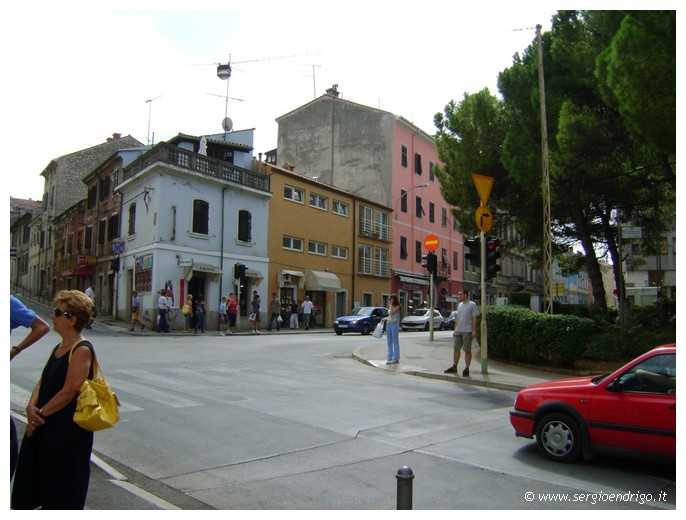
(339, 252)
(317, 201)
(92, 197)
(419, 210)
(403, 156)
(417, 164)
(244, 226)
(113, 228)
(432, 207)
(455, 266)
(293, 194)
(418, 251)
(382, 225)
(382, 265)
(316, 248)
(340, 208)
(444, 217)
(104, 189)
(403, 201)
(132, 219)
(201, 217)
(172, 231)
(366, 222)
(431, 171)
(102, 229)
(403, 248)
(293, 244)
(365, 258)
(88, 238)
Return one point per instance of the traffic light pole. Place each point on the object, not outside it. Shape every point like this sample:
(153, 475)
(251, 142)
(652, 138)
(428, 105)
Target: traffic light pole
(431, 306)
(484, 326)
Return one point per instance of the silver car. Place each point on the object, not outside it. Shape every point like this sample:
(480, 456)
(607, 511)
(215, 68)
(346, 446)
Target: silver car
(419, 320)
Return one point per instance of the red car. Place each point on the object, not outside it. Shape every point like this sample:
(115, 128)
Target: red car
(630, 412)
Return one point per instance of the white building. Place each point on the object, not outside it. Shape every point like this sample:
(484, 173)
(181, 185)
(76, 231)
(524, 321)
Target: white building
(188, 218)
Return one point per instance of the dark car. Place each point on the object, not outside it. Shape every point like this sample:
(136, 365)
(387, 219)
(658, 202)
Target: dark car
(362, 319)
(630, 412)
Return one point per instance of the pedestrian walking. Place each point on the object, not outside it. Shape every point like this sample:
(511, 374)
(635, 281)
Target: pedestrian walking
(162, 310)
(255, 312)
(464, 333)
(135, 311)
(53, 471)
(392, 330)
(295, 310)
(274, 313)
(90, 292)
(200, 312)
(21, 316)
(307, 312)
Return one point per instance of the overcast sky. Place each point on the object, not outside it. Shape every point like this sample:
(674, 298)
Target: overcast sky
(75, 74)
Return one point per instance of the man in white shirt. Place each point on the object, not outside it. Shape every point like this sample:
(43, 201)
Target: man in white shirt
(307, 312)
(465, 332)
(90, 292)
(162, 308)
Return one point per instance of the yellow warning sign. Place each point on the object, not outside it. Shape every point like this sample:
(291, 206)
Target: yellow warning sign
(484, 185)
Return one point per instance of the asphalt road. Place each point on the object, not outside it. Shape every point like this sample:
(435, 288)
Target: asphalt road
(294, 422)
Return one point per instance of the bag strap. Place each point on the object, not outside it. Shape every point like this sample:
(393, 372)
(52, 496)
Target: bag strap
(95, 367)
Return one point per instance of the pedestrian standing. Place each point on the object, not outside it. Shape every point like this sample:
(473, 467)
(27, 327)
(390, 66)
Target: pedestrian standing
(274, 313)
(187, 311)
(223, 318)
(90, 292)
(200, 314)
(162, 310)
(307, 312)
(21, 316)
(392, 330)
(53, 471)
(232, 312)
(464, 333)
(135, 311)
(255, 312)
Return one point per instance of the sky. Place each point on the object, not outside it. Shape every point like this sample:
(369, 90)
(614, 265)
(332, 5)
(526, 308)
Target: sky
(75, 73)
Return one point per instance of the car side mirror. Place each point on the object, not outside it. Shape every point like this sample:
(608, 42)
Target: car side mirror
(614, 386)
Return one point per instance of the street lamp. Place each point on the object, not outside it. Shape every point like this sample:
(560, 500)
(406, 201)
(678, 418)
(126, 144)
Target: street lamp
(224, 73)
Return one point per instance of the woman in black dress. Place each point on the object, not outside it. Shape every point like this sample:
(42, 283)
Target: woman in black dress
(53, 471)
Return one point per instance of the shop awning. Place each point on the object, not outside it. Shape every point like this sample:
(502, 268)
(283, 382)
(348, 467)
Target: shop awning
(288, 277)
(416, 281)
(82, 270)
(211, 270)
(322, 281)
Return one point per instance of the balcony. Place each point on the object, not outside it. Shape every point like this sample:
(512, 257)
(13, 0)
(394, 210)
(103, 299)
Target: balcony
(369, 267)
(195, 162)
(372, 229)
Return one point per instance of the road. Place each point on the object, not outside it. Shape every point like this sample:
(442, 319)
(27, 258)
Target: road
(275, 422)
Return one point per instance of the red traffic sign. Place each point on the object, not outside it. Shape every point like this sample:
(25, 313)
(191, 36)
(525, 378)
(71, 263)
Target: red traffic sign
(431, 242)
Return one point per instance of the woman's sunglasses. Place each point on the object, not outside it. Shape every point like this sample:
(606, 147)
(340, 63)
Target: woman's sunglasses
(59, 312)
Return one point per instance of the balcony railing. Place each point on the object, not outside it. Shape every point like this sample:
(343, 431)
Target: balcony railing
(207, 166)
(382, 269)
(372, 229)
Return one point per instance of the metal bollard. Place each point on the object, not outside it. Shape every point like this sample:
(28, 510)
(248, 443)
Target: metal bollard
(404, 478)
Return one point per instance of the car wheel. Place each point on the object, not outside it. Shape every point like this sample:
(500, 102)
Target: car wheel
(365, 330)
(427, 327)
(338, 333)
(558, 437)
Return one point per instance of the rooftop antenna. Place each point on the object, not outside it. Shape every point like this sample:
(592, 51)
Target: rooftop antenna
(224, 73)
(314, 82)
(150, 114)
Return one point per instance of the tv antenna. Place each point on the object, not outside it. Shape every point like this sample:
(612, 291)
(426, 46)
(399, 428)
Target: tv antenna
(150, 114)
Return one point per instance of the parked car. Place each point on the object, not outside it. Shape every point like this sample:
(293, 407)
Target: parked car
(449, 322)
(630, 412)
(418, 319)
(362, 320)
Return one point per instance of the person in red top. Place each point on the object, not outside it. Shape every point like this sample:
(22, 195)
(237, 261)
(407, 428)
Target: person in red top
(232, 312)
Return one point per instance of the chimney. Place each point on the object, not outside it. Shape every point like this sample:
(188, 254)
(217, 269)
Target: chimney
(333, 91)
(115, 137)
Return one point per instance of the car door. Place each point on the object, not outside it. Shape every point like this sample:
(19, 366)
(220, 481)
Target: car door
(636, 410)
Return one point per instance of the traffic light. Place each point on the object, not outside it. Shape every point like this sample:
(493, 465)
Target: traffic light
(492, 255)
(430, 263)
(239, 271)
(474, 255)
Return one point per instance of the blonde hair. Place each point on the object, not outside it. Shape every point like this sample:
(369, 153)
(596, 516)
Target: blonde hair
(79, 304)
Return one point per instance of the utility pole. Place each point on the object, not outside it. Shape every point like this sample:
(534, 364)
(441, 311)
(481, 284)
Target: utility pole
(547, 225)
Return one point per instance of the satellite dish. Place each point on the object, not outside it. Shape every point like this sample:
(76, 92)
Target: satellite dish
(227, 124)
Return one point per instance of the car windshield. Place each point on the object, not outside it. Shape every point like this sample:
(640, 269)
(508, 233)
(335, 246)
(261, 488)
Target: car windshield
(420, 312)
(362, 311)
